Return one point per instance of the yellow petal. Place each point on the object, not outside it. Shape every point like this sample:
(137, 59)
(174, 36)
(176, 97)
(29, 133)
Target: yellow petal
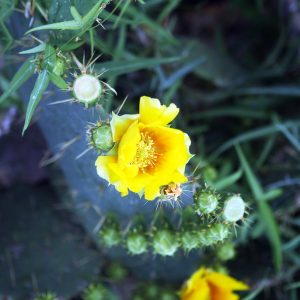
(226, 282)
(128, 144)
(152, 112)
(195, 278)
(172, 146)
(139, 182)
(119, 125)
(218, 293)
(121, 187)
(103, 168)
(151, 192)
(108, 169)
(198, 291)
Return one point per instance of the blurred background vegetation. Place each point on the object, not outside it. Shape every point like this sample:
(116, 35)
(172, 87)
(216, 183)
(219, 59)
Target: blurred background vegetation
(233, 69)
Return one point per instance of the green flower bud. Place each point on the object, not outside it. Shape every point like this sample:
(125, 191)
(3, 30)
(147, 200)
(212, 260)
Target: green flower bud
(100, 137)
(116, 272)
(137, 243)
(189, 240)
(206, 201)
(226, 251)
(218, 232)
(87, 89)
(234, 209)
(165, 242)
(110, 233)
(97, 292)
(204, 239)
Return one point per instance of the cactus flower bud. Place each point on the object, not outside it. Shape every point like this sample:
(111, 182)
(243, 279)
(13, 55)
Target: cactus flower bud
(218, 232)
(234, 209)
(101, 137)
(87, 89)
(206, 201)
(165, 242)
(137, 243)
(205, 239)
(97, 292)
(110, 234)
(189, 240)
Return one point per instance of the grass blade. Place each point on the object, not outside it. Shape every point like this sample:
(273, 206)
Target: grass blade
(266, 214)
(23, 74)
(40, 86)
(124, 67)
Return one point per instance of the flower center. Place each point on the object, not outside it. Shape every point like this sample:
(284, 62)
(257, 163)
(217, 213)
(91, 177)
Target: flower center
(146, 153)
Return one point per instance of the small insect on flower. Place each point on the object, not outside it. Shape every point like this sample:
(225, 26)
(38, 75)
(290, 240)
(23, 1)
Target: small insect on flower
(171, 191)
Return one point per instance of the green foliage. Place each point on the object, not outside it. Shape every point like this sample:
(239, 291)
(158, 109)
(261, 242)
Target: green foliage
(266, 214)
(6, 9)
(23, 74)
(36, 95)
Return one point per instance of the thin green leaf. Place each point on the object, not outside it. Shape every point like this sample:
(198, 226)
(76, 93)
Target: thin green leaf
(58, 81)
(266, 214)
(22, 75)
(290, 91)
(253, 294)
(294, 285)
(273, 194)
(228, 181)
(254, 134)
(80, 23)
(239, 112)
(33, 50)
(40, 86)
(49, 57)
(66, 25)
(125, 6)
(123, 67)
(167, 10)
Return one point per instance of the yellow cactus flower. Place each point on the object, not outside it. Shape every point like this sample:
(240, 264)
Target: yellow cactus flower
(205, 284)
(148, 154)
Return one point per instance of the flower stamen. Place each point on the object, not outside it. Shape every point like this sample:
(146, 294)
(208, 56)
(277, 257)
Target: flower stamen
(146, 153)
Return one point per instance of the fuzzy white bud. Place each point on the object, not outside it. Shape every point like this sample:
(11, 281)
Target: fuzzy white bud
(234, 209)
(87, 88)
